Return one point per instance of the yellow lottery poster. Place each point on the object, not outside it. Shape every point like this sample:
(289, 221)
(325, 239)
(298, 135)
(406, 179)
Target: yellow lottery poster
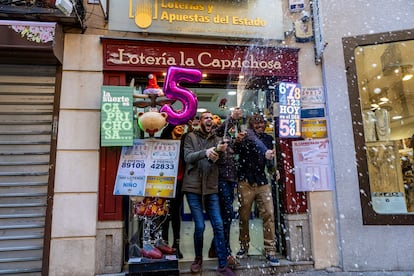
(160, 186)
(314, 128)
(162, 168)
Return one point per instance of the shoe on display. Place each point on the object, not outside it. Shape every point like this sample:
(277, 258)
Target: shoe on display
(164, 247)
(151, 252)
(232, 262)
(242, 253)
(196, 265)
(225, 271)
(272, 260)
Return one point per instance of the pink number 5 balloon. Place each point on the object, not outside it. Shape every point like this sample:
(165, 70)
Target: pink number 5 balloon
(173, 90)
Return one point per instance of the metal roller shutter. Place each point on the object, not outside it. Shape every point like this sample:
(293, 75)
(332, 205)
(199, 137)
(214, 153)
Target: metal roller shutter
(27, 95)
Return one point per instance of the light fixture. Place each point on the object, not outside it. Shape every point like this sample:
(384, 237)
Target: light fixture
(384, 99)
(204, 75)
(232, 93)
(407, 73)
(397, 117)
(377, 90)
(407, 76)
(201, 110)
(64, 6)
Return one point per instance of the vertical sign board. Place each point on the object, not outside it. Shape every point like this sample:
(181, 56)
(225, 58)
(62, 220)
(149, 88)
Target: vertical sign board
(148, 168)
(117, 127)
(289, 110)
(130, 178)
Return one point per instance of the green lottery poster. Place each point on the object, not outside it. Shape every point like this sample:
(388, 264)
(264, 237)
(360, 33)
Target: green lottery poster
(117, 124)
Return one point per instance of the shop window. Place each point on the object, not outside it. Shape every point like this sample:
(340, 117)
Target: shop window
(380, 72)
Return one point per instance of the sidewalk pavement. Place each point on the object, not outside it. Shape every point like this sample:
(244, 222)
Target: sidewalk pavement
(340, 273)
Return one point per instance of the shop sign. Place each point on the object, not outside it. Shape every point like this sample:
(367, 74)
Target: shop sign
(261, 19)
(312, 165)
(117, 127)
(130, 55)
(32, 40)
(314, 128)
(148, 168)
(312, 112)
(389, 202)
(289, 110)
(312, 95)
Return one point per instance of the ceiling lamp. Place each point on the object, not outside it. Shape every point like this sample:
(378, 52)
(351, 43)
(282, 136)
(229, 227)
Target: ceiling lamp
(377, 90)
(406, 73)
(64, 6)
(407, 77)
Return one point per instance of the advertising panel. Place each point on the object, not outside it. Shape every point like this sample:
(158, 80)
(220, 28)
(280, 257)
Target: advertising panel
(238, 19)
(289, 110)
(312, 165)
(117, 127)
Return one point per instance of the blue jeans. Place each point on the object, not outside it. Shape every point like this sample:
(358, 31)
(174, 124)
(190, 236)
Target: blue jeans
(226, 196)
(212, 207)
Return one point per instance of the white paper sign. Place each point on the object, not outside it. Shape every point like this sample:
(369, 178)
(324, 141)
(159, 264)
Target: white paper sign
(389, 203)
(312, 95)
(313, 171)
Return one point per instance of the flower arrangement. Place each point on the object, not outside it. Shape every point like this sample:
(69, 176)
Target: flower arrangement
(38, 34)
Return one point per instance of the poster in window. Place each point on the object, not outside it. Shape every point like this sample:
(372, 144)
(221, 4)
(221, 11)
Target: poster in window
(385, 178)
(312, 161)
(148, 168)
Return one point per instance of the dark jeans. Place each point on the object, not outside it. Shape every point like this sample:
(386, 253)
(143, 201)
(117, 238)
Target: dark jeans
(212, 207)
(226, 196)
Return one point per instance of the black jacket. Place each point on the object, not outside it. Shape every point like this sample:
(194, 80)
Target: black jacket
(252, 161)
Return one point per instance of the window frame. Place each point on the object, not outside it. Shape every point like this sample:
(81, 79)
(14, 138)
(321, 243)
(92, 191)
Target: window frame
(369, 216)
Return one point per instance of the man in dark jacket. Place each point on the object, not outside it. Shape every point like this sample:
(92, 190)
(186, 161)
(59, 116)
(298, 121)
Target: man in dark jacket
(227, 182)
(202, 149)
(255, 149)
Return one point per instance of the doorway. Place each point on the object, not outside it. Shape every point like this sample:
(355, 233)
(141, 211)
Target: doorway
(220, 94)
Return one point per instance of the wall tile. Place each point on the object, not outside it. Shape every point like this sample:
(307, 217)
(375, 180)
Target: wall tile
(79, 130)
(77, 171)
(74, 215)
